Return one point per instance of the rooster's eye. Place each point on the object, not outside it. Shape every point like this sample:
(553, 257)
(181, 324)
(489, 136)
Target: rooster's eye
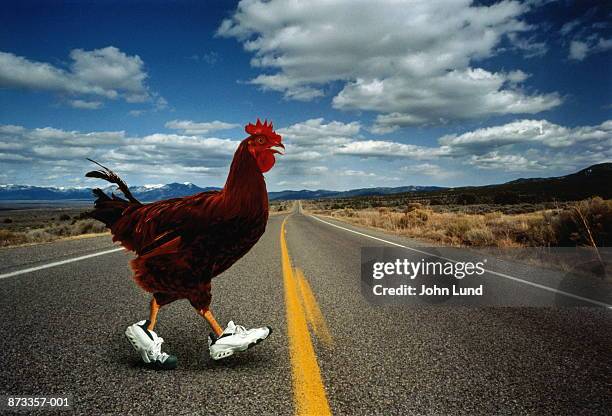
(260, 140)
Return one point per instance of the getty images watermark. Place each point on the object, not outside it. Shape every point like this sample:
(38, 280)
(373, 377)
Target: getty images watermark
(495, 277)
(411, 270)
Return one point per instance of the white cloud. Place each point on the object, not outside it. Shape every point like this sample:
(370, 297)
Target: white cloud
(195, 128)
(154, 157)
(316, 148)
(394, 57)
(86, 105)
(107, 72)
(587, 35)
(316, 139)
(497, 161)
(359, 173)
(388, 149)
(579, 50)
(455, 95)
(537, 132)
(569, 27)
(530, 47)
(427, 169)
(316, 132)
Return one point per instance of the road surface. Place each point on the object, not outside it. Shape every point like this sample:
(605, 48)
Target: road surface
(65, 305)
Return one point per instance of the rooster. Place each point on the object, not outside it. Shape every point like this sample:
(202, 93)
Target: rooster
(182, 243)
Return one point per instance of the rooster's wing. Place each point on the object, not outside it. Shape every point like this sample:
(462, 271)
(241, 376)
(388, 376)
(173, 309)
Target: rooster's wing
(142, 228)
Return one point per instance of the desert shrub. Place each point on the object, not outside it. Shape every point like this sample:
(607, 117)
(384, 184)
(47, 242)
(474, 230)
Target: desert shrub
(412, 206)
(62, 230)
(7, 221)
(506, 198)
(39, 235)
(348, 212)
(482, 237)
(64, 217)
(83, 215)
(459, 226)
(576, 225)
(9, 238)
(466, 199)
(418, 216)
(90, 226)
(495, 215)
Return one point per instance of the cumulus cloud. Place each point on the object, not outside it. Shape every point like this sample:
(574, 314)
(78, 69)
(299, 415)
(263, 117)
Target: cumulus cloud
(538, 132)
(315, 139)
(522, 145)
(389, 149)
(395, 57)
(497, 161)
(157, 156)
(316, 131)
(316, 148)
(107, 73)
(195, 128)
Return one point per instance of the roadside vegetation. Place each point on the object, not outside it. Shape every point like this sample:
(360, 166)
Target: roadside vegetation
(19, 227)
(582, 223)
(280, 207)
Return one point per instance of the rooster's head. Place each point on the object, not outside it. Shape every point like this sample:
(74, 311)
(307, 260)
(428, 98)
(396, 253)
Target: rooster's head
(261, 143)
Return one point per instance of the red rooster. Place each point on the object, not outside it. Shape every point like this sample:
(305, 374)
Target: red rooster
(182, 243)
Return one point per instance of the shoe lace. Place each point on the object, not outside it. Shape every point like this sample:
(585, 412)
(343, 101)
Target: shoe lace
(240, 329)
(155, 350)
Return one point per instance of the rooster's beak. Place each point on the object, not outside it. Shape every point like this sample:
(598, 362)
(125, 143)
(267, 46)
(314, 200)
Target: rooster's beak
(272, 148)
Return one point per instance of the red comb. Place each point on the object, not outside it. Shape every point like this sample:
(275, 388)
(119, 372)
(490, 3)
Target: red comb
(264, 129)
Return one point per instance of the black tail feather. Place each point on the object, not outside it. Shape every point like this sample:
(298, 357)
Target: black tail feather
(110, 176)
(108, 209)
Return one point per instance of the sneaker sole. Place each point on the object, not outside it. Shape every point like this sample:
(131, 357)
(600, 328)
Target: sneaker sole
(228, 353)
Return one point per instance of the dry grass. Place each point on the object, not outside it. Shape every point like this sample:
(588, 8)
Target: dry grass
(570, 225)
(51, 232)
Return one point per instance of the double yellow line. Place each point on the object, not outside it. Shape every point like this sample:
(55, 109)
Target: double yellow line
(302, 308)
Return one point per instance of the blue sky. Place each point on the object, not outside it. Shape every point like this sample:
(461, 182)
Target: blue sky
(416, 92)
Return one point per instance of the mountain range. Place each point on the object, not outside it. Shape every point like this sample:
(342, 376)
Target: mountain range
(594, 180)
(174, 190)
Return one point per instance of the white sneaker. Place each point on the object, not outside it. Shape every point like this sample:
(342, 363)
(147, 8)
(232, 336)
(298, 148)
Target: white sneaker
(235, 338)
(148, 345)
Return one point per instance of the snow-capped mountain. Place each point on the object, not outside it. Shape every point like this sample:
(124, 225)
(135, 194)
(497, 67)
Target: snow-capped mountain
(143, 193)
(148, 193)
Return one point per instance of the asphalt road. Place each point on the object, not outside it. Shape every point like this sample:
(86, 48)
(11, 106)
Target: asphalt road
(62, 329)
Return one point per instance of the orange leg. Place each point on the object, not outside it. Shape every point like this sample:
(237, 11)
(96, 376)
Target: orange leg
(207, 314)
(153, 314)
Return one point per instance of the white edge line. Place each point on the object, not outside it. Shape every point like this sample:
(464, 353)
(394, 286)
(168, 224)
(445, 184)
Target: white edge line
(516, 279)
(58, 263)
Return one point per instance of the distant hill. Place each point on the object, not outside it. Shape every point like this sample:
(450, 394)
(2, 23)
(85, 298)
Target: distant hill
(322, 193)
(174, 190)
(594, 180)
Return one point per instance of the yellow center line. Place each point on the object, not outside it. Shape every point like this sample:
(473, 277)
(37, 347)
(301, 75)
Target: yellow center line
(313, 312)
(308, 390)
